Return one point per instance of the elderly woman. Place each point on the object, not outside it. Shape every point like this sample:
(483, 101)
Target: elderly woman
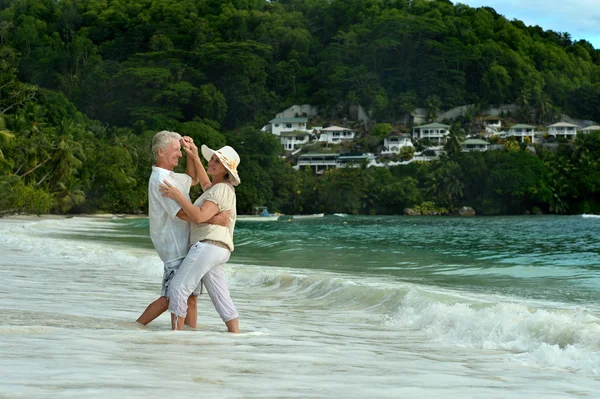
(211, 245)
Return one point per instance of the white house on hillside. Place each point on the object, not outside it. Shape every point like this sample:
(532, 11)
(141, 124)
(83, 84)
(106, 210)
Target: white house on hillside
(563, 129)
(320, 162)
(336, 134)
(394, 143)
(280, 125)
(474, 145)
(290, 140)
(494, 122)
(492, 125)
(520, 131)
(431, 131)
(590, 129)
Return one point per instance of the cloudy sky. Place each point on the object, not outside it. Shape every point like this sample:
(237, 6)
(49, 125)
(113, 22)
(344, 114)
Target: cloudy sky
(580, 18)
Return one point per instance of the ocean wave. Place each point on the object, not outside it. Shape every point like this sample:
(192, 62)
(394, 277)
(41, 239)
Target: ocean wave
(39, 237)
(542, 333)
(565, 338)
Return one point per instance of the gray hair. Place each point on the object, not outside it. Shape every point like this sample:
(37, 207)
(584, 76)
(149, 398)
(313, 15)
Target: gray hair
(163, 139)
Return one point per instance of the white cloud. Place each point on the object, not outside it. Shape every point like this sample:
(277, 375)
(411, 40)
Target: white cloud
(580, 18)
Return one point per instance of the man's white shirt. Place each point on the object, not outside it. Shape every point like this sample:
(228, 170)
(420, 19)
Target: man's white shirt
(169, 234)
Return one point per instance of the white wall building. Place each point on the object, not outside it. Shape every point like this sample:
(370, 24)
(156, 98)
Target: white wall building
(474, 145)
(291, 140)
(431, 131)
(520, 131)
(563, 129)
(281, 125)
(336, 134)
(320, 162)
(591, 129)
(394, 143)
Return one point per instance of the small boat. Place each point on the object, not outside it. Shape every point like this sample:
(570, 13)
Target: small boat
(257, 218)
(261, 214)
(313, 216)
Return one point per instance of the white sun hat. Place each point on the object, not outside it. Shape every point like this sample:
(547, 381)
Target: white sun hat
(228, 157)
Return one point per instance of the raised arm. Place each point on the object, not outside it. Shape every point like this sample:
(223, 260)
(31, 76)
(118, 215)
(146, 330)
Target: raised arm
(194, 167)
(194, 213)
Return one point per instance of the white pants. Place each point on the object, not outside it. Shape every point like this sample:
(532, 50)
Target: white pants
(203, 262)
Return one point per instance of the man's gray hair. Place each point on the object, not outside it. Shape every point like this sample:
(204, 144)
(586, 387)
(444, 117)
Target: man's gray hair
(163, 139)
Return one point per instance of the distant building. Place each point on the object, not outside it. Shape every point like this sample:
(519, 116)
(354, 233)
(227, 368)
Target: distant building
(281, 125)
(336, 134)
(353, 160)
(474, 145)
(593, 128)
(520, 131)
(320, 162)
(563, 129)
(492, 125)
(494, 122)
(432, 131)
(291, 140)
(394, 143)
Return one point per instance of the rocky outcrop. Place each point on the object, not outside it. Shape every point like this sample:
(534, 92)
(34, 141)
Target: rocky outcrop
(411, 212)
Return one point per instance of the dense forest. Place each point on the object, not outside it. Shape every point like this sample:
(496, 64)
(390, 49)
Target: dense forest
(84, 85)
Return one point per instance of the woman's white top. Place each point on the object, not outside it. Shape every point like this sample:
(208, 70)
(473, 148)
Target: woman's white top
(222, 194)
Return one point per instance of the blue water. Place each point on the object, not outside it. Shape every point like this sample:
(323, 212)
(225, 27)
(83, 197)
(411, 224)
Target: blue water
(542, 257)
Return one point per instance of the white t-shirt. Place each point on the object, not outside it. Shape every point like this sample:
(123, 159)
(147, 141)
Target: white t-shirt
(169, 234)
(222, 194)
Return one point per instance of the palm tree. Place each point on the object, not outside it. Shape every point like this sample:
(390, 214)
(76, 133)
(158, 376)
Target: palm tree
(6, 165)
(69, 194)
(542, 105)
(66, 157)
(446, 183)
(453, 143)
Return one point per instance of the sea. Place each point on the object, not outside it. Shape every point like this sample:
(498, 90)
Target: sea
(342, 306)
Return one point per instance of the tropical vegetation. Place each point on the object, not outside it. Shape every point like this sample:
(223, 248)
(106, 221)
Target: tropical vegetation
(84, 84)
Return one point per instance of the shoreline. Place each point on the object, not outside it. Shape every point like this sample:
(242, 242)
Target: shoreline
(69, 216)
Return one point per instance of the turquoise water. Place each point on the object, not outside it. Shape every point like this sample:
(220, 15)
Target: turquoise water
(343, 306)
(543, 257)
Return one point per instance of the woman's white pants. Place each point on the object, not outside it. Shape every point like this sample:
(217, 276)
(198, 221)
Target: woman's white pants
(203, 262)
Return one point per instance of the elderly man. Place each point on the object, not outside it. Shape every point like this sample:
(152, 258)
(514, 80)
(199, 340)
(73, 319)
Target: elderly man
(169, 226)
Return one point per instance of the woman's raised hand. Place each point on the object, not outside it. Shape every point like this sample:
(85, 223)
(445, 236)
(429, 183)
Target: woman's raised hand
(167, 190)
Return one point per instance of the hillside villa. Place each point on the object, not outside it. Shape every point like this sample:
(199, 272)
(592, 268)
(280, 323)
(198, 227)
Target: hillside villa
(592, 128)
(394, 143)
(563, 129)
(336, 134)
(320, 162)
(520, 131)
(286, 125)
(292, 140)
(474, 145)
(432, 131)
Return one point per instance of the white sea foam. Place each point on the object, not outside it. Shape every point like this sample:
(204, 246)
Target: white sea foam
(548, 337)
(39, 237)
